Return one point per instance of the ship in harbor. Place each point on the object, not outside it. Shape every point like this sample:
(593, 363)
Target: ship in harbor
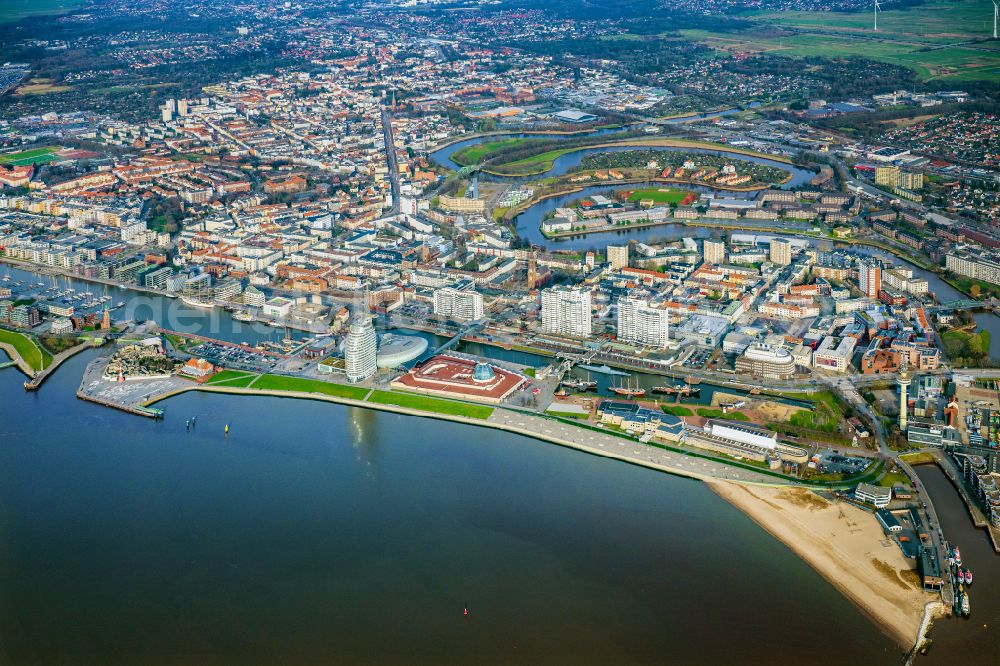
(242, 315)
(628, 391)
(682, 390)
(197, 302)
(578, 384)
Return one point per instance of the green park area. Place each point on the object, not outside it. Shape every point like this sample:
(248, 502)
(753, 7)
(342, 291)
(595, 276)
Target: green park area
(33, 156)
(677, 410)
(302, 385)
(232, 378)
(664, 195)
(426, 404)
(35, 356)
(966, 349)
(531, 166)
(474, 154)
(711, 413)
(936, 39)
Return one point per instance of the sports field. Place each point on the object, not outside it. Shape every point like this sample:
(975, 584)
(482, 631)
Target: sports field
(667, 195)
(33, 156)
(938, 40)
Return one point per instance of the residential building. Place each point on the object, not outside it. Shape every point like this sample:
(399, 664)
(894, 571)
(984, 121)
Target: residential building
(459, 304)
(643, 324)
(781, 251)
(566, 312)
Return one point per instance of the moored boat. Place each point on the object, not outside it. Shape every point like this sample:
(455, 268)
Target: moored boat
(196, 302)
(242, 315)
(628, 392)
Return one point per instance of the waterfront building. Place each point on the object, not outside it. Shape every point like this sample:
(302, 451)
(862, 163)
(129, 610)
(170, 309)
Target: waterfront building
(462, 304)
(618, 256)
(566, 312)
(714, 251)
(870, 278)
(254, 297)
(361, 349)
(983, 266)
(781, 251)
(766, 362)
(643, 324)
(464, 378)
(877, 496)
(742, 432)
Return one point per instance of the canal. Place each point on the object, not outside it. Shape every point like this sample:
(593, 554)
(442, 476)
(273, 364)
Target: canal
(976, 639)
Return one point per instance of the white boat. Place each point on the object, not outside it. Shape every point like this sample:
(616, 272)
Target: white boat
(196, 302)
(242, 315)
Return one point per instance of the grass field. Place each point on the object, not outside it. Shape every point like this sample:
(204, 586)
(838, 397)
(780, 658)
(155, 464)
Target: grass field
(14, 10)
(668, 195)
(234, 378)
(933, 39)
(33, 156)
(534, 165)
(709, 413)
(36, 357)
(474, 154)
(426, 404)
(676, 410)
(279, 383)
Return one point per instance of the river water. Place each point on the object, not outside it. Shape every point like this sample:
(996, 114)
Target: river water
(315, 533)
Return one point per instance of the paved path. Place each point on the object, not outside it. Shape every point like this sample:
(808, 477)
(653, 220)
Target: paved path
(625, 449)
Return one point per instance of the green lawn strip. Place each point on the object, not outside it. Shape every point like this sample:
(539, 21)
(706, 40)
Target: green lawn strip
(234, 380)
(709, 413)
(428, 404)
(894, 479)
(676, 410)
(567, 415)
(36, 357)
(227, 375)
(301, 385)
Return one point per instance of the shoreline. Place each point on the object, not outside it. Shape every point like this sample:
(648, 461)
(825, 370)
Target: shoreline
(833, 546)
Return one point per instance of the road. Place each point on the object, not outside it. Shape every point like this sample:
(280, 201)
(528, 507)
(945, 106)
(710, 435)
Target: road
(390, 155)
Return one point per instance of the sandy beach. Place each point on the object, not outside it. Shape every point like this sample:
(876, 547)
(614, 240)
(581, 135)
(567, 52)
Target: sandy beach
(846, 546)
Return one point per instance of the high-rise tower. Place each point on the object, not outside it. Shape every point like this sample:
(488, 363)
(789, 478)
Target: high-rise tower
(904, 384)
(361, 345)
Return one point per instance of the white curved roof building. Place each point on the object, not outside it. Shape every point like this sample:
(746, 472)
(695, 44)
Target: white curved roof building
(767, 362)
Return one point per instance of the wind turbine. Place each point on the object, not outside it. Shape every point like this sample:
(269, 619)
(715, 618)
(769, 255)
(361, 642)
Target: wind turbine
(878, 8)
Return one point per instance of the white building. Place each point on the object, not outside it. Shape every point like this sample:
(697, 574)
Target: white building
(278, 306)
(835, 353)
(641, 323)
(869, 278)
(714, 251)
(745, 433)
(877, 496)
(781, 251)
(361, 350)
(459, 304)
(618, 256)
(566, 312)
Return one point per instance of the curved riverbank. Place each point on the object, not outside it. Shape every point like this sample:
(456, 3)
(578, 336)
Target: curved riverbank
(17, 359)
(603, 444)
